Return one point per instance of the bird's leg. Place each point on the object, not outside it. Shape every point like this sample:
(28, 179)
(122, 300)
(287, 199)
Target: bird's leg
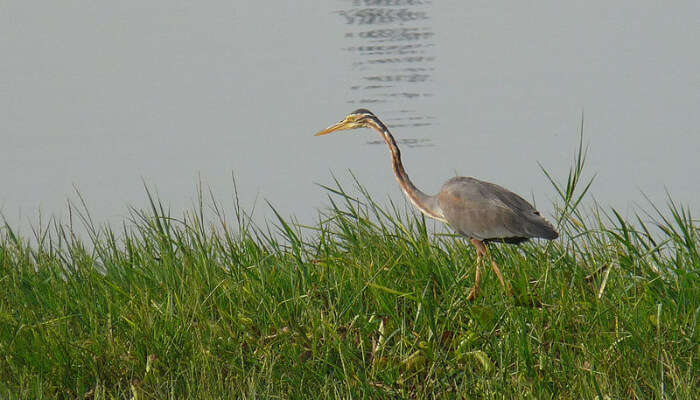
(480, 251)
(500, 277)
(477, 281)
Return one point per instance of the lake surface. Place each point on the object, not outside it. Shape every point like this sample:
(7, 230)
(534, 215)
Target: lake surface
(106, 97)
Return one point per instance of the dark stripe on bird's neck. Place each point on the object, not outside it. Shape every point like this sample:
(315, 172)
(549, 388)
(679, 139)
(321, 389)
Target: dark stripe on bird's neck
(415, 195)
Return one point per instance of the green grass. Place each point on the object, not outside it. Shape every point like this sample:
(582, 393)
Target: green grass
(366, 303)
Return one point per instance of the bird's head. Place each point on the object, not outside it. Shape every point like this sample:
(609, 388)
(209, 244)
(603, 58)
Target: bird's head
(357, 119)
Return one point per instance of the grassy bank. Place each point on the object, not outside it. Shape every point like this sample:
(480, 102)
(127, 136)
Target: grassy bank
(366, 303)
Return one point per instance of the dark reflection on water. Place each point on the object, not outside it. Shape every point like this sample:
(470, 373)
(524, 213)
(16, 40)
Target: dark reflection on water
(423, 142)
(391, 43)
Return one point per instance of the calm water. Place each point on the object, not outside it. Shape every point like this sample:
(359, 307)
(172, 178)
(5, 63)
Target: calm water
(104, 97)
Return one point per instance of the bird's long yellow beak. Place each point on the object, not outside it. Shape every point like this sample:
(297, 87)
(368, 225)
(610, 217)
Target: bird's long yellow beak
(350, 122)
(337, 127)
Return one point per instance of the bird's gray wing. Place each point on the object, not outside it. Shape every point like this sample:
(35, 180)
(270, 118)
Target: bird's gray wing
(484, 210)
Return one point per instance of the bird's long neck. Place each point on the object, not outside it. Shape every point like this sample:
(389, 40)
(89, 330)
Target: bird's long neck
(425, 203)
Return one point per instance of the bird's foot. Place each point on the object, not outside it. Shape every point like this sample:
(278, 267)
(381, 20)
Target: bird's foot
(473, 294)
(509, 289)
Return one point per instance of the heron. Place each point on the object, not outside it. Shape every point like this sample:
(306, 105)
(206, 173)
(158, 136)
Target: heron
(481, 211)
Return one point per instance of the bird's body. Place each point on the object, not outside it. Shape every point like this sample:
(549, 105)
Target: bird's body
(488, 212)
(482, 211)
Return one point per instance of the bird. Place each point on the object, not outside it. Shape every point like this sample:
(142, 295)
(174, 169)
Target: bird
(481, 211)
